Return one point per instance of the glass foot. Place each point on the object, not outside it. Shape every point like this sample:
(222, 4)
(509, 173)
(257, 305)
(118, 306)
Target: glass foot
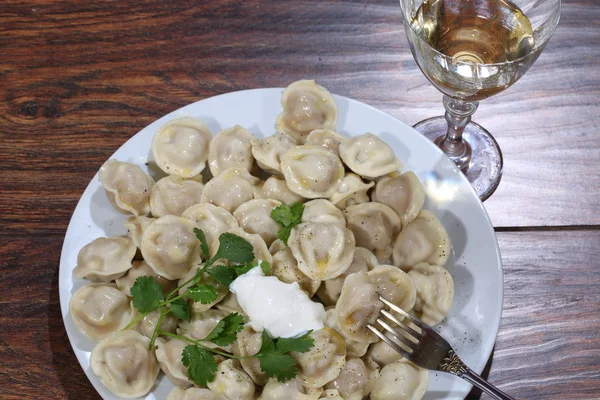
(484, 169)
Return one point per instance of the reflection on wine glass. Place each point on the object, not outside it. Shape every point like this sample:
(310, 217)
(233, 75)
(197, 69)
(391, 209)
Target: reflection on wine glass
(471, 50)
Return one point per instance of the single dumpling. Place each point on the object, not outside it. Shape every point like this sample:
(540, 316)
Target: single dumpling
(230, 304)
(275, 188)
(394, 285)
(323, 211)
(169, 356)
(323, 251)
(127, 187)
(357, 379)
(192, 393)
(401, 381)
(352, 191)
(230, 148)
(254, 216)
(403, 193)
(170, 246)
(423, 240)
(289, 390)
(180, 147)
(357, 307)
(353, 348)
(369, 156)
(383, 354)
(124, 364)
(435, 292)
(200, 325)
(375, 226)
(312, 171)
(172, 195)
(230, 189)
(324, 361)
(268, 151)
(326, 138)
(248, 343)
(99, 309)
(198, 307)
(306, 107)
(285, 267)
(331, 394)
(260, 248)
(330, 290)
(212, 220)
(135, 228)
(105, 259)
(148, 323)
(141, 268)
(232, 382)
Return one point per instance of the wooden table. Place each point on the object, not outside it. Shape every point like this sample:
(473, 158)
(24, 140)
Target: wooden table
(77, 79)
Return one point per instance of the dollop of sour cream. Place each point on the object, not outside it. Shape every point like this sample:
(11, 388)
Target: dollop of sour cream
(282, 309)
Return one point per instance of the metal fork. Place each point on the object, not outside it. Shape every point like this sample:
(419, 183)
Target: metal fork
(428, 349)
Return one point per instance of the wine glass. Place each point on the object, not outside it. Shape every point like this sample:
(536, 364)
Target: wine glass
(471, 50)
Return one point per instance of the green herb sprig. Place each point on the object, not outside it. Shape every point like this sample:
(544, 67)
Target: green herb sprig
(287, 217)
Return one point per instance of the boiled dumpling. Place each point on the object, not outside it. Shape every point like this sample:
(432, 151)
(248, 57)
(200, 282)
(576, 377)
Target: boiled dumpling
(324, 361)
(321, 210)
(401, 381)
(383, 354)
(403, 193)
(230, 304)
(230, 189)
(141, 268)
(212, 220)
(352, 191)
(201, 324)
(306, 107)
(357, 379)
(329, 291)
(127, 187)
(375, 227)
(232, 382)
(353, 348)
(369, 156)
(394, 285)
(268, 151)
(275, 188)
(285, 267)
(148, 323)
(424, 239)
(172, 195)
(248, 343)
(331, 394)
(169, 356)
(135, 228)
(254, 216)
(323, 250)
(261, 251)
(288, 390)
(170, 246)
(105, 259)
(124, 364)
(230, 148)
(99, 309)
(435, 292)
(312, 171)
(180, 147)
(192, 393)
(325, 138)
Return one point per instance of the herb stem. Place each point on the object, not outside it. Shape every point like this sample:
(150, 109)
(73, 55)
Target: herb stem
(163, 312)
(197, 343)
(136, 320)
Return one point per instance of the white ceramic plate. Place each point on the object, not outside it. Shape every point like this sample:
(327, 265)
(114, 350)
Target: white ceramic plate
(473, 321)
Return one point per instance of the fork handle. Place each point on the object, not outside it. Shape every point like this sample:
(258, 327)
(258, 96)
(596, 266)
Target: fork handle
(452, 364)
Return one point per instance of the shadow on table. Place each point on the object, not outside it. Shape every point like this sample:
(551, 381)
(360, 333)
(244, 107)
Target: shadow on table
(475, 393)
(66, 367)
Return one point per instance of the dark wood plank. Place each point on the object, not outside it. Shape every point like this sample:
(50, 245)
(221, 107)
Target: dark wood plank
(548, 346)
(79, 78)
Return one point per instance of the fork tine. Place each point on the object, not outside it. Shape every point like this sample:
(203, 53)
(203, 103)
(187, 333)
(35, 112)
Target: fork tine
(402, 312)
(390, 342)
(404, 340)
(402, 325)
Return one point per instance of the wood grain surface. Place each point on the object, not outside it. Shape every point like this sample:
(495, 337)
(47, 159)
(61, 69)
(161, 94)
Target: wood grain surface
(77, 79)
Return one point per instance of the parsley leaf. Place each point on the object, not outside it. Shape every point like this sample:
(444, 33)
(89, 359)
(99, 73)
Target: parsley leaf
(234, 248)
(266, 267)
(147, 294)
(222, 274)
(200, 363)
(267, 346)
(300, 344)
(225, 333)
(203, 243)
(203, 293)
(281, 366)
(181, 309)
(242, 269)
(287, 217)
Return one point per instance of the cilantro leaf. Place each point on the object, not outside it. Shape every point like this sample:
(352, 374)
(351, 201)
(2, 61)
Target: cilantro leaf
(287, 217)
(281, 366)
(242, 269)
(203, 293)
(284, 234)
(266, 267)
(234, 248)
(203, 243)
(267, 346)
(222, 274)
(225, 333)
(300, 344)
(147, 294)
(200, 363)
(181, 309)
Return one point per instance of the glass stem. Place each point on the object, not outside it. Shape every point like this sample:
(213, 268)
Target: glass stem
(458, 115)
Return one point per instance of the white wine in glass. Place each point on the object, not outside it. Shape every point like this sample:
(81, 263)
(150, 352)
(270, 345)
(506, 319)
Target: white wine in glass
(471, 50)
